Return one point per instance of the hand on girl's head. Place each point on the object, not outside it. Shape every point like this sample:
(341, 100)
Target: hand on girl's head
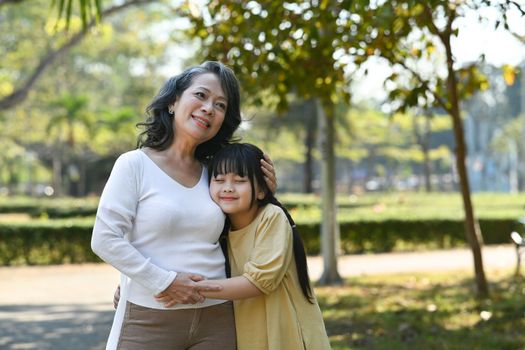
(269, 173)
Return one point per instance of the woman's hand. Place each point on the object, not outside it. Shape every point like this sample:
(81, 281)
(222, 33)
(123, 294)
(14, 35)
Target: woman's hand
(116, 297)
(185, 290)
(269, 173)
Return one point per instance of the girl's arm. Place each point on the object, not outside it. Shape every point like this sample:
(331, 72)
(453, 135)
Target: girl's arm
(232, 289)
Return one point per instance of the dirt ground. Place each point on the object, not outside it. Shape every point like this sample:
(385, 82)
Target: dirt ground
(70, 306)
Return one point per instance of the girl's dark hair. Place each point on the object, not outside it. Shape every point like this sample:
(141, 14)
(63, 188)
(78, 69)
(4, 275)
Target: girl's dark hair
(158, 127)
(244, 159)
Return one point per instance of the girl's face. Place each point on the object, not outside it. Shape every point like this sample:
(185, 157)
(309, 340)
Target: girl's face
(233, 194)
(200, 110)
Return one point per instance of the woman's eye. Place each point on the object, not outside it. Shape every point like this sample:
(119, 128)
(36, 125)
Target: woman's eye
(221, 106)
(200, 94)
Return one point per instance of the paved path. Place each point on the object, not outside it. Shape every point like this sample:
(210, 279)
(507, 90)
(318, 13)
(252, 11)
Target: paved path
(70, 306)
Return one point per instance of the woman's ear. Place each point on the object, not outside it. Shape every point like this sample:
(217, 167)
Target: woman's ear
(171, 108)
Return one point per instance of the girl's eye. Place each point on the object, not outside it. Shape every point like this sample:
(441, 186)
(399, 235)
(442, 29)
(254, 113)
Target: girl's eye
(221, 106)
(218, 179)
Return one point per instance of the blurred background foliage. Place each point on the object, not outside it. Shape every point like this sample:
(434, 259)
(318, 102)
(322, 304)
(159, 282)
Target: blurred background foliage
(73, 87)
(80, 113)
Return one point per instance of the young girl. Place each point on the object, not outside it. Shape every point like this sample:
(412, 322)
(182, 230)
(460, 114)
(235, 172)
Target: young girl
(274, 306)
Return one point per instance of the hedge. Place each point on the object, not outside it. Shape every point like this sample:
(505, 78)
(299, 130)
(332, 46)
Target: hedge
(49, 207)
(68, 241)
(46, 242)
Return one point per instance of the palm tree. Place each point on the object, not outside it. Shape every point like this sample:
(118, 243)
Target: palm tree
(63, 127)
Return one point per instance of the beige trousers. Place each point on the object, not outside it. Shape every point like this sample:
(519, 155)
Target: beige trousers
(207, 328)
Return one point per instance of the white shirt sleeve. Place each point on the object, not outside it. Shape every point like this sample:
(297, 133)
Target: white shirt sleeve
(115, 216)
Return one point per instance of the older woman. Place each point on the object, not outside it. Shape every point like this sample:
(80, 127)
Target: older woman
(157, 224)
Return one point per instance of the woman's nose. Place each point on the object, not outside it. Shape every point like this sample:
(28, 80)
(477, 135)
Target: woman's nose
(207, 106)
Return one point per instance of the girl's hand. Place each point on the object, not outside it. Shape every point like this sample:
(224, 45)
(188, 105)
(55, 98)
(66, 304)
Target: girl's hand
(269, 173)
(185, 290)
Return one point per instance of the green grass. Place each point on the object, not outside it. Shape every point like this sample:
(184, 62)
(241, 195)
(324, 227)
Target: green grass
(425, 311)
(365, 207)
(406, 205)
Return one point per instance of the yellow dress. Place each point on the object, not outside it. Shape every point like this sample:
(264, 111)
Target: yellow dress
(282, 318)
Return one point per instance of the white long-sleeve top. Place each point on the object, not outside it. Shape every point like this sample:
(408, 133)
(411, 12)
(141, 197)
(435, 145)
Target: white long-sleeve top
(150, 227)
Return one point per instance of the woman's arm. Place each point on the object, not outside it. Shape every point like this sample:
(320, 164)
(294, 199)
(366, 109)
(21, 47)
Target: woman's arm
(115, 216)
(232, 289)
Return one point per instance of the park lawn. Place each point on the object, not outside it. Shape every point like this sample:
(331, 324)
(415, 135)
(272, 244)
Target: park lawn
(425, 311)
(306, 207)
(411, 205)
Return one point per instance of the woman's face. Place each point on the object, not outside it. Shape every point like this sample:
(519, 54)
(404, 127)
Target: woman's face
(200, 110)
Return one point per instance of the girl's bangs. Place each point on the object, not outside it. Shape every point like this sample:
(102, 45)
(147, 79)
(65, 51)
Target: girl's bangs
(228, 163)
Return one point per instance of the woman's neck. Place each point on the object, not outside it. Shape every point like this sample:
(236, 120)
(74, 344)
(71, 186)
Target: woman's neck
(181, 149)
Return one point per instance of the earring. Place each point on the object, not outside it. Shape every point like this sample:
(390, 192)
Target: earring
(171, 111)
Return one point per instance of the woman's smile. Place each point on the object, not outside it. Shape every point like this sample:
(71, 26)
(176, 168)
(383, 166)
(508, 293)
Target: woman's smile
(201, 121)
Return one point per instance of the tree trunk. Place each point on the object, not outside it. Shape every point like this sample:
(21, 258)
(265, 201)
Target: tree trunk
(521, 181)
(57, 173)
(423, 141)
(350, 177)
(427, 171)
(473, 232)
(425, 146)
(82, 181)
(309, 161)
(329, 230)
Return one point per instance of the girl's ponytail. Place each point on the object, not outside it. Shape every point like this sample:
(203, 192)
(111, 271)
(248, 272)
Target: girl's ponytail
(299, 254)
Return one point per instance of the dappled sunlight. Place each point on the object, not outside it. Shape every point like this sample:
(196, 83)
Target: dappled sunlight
(424, 311)
(54, 327)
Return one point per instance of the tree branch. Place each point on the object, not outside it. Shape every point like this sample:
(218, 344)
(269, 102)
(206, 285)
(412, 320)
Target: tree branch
(424, 82)
(21, 93)
(447, 33)
(521, 38)
(518, 7)
(430, 21)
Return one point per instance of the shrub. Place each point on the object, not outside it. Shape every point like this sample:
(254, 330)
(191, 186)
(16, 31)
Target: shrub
(50, 207)
(46, 242)
(388, 235)
(68, 241)
(368, 223)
